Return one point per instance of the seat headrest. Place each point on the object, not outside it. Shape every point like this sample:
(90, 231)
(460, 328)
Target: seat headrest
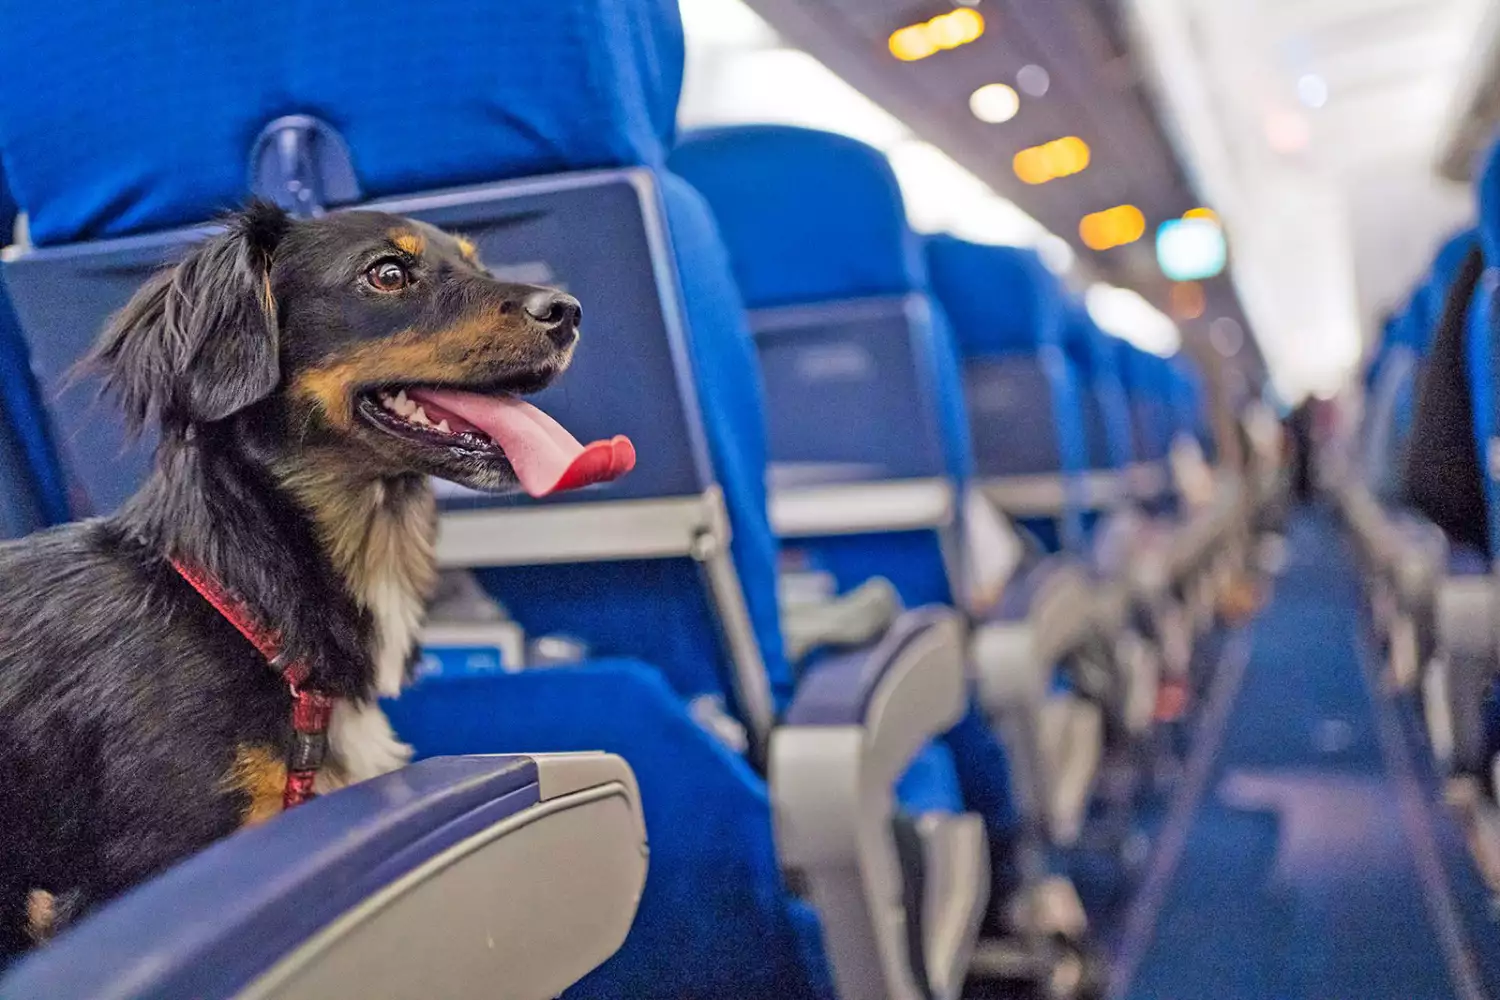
(142, 116)
(808, 216)
(1000, 300)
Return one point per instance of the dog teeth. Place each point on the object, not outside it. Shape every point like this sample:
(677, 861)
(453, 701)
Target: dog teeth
(419, 417)
(405, 406)
(443, 426)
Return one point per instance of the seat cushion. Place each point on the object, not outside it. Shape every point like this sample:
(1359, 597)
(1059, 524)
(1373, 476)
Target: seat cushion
(142, 116)
(715, 918)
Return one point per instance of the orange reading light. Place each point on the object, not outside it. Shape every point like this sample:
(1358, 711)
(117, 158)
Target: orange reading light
(1113, 227)
(1201, 213)
(1049, 161)
(946, 31)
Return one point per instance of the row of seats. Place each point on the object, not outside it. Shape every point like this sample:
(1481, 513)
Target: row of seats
(1418, 492)
(903, 589)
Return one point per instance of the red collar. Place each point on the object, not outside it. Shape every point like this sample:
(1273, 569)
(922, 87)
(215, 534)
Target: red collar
(310, 709)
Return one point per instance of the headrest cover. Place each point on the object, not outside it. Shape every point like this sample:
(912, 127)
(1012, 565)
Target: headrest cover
(808, 216)
(141, 116)
(1000, 300)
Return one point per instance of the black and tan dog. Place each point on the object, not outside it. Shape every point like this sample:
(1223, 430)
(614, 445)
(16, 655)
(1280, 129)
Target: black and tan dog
(307, 377)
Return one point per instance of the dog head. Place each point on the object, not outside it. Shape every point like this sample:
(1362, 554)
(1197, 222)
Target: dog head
(368, 336)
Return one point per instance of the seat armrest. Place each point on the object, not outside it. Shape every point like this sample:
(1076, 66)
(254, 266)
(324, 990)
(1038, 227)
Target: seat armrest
(445, 878)
(1014, 663)
(856, 724)
(840, 689)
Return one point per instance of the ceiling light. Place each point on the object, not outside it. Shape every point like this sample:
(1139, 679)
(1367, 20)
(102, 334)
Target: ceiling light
(1112, 227)
(1058, 158)
(1226, 335)
(1312, 90)
(1033, 80)
(1190, 249)
(912, 43)
(995, 103)
(959, 26)
(1188, 300)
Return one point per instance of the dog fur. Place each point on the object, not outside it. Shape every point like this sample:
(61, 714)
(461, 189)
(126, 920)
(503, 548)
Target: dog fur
(136, 724)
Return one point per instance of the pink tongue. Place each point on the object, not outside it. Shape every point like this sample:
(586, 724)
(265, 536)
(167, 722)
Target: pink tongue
(547, 459)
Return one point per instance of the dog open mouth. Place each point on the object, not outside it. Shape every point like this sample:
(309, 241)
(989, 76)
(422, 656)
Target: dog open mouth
(546, 458)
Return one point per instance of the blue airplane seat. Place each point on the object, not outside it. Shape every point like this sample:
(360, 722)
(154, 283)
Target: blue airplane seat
(869, 432)
(1023, 394)
(861, 380)
(673, 565)
(32, 492)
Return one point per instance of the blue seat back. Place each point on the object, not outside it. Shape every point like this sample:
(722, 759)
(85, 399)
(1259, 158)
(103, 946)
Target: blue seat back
(506, 92)
(1106, 409)
(1024, 394)
(614, 238)
(861, 381)
(1147, 382)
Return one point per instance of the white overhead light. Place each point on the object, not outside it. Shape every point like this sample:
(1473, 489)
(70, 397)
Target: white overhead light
(942, 196)
(724, 24)
(1127, 315)
(1033, 80)
(1312, 90)
(790, 87)
(995, 103)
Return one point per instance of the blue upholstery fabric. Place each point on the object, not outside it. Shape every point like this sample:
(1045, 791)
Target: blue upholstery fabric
(999, 300)
(826, 184)
(1106, 410)
(32, 492)
(930, 784)
(468, 91)
(715, 919)
(1146, 382)
(728, 377)
(1006, 308)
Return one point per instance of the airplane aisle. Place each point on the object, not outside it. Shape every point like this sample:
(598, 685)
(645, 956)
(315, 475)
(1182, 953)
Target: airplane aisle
(1304, 857)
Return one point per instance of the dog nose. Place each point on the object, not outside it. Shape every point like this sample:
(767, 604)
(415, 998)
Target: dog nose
(558, 312)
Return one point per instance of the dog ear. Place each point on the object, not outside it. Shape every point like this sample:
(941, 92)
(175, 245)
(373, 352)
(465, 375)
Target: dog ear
(199, 342)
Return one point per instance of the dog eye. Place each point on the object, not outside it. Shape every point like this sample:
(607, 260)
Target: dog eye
(388, 275)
